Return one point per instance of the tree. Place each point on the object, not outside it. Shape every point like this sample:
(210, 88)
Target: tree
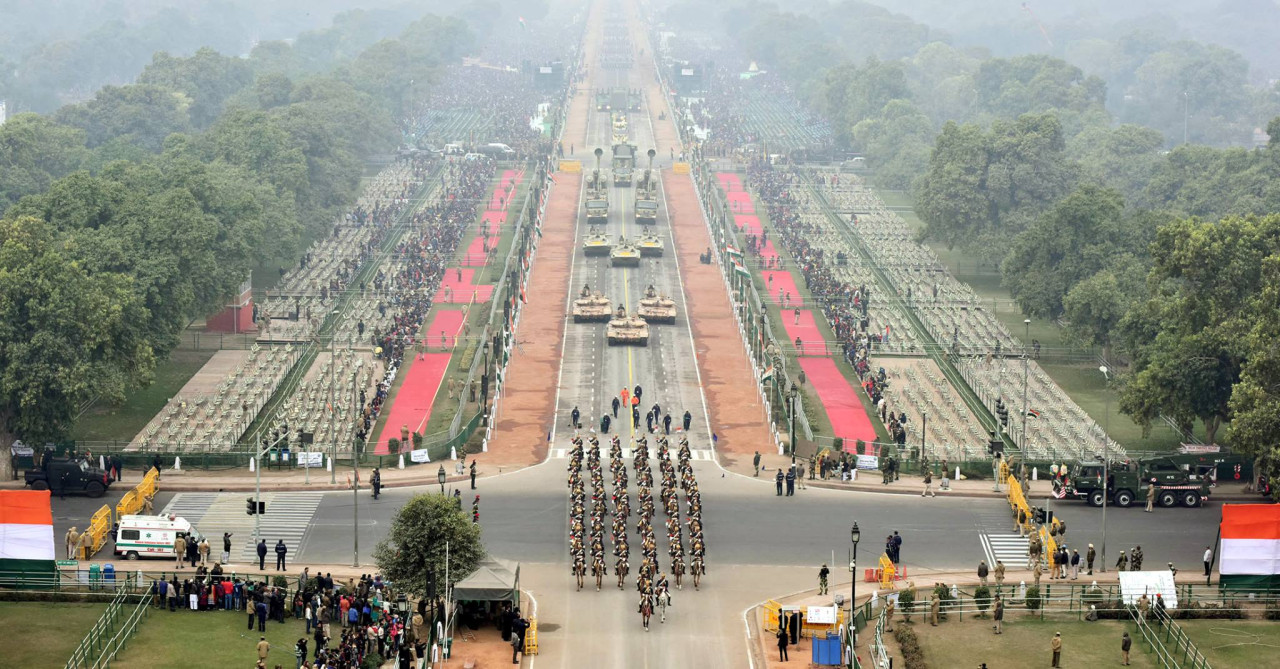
(145, 114)
(414, 550)
(1255, 400)
(1095, 306)
(66, 334)
(34, 151)
(207, 78)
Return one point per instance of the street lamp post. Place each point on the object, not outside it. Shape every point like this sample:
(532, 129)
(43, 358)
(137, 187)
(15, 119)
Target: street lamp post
(1026, 340)
(440, 476)
(791, 406)
(1106, 464)
(924, 428)
(854, 535)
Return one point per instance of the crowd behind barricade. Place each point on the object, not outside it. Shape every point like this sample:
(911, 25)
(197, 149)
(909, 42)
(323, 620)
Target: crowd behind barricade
(423, 256)
(345, 621)
(501, 103)
(844, 305)
(762, 109)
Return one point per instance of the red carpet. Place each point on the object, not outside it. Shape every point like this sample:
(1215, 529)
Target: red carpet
(475, 255)
(412, 404)
(506, 188)
(782, 281)
(453, 290)
(741, 202)
(748, 223)
(768, 252)
(811, 342)
(729, 181)
(848, 420)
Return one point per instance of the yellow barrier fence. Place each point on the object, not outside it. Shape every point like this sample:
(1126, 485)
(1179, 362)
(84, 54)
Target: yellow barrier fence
(773, 613)
(772, 610)
(147, 487)
(571, 166)
(134, 500)
(680, 168)
(531, 637)
(887, 571)
(95, 536)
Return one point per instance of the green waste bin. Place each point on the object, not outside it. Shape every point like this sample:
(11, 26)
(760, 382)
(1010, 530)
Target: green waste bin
(95, 577)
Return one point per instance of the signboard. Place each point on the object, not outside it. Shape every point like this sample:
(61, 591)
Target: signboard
(1200, 448)
(311, 459)
(68, 563)
(821, 615)
(544, 70)
(686, 71)
(419, 455)
(868, 462)
(1134, 584)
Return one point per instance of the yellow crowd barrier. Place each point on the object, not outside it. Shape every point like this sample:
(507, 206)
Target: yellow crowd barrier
(134, 500)
(888, 571)
(571, 166)
(147, 487)
(772, 610)
(129, 504)
(680, 168)
(95, 535)
(531, 637)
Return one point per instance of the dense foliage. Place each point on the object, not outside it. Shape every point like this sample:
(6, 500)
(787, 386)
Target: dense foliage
(414, 551)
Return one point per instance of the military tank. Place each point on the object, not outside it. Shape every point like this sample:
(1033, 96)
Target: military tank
(590, 307)
(655, 308)
(650, 245)
(627, 330)
(624, 254)
(596, 243)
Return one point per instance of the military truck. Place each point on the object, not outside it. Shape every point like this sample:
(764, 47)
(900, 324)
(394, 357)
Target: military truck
(655, 308)
(68, 475)
(624, 254)
(627, 330)
(647, 194)
(590, 307)
(624, 163)
(602, 100)
(1127, 482)
(597, 200)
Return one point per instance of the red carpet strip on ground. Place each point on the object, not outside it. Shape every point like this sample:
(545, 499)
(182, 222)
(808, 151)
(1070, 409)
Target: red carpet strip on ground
(848, 420)
(422, 377)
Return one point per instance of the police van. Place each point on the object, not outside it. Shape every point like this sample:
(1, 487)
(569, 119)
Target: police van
(152, 536)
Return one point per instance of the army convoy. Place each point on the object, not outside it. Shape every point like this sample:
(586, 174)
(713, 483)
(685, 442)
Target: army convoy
(647, 195)
(655, 308)
(624, 254)
(591, 307)
(597, 200)
(624, 163)
(596, 243)
(627, 330)
(1127, 483)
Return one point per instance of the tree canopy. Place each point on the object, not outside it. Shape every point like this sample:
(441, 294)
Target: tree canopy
(414, 551)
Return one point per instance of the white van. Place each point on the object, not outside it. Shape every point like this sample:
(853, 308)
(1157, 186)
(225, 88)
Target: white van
(497, 150)
(152, 536)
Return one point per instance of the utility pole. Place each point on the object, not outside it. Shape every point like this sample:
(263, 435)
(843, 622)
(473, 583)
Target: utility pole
(1106, 463)
(257, 500)
(1026, 340)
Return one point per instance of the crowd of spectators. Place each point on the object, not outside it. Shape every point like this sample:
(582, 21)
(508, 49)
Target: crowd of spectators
(422, 257)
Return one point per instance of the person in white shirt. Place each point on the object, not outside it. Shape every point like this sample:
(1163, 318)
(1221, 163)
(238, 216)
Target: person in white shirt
(1208, 559)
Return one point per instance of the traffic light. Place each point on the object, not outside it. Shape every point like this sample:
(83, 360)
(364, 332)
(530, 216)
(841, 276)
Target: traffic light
(250, 506)
(1041, 516)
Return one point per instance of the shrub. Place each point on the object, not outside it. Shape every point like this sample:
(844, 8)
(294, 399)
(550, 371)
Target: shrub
(907, 602)
(372, 661)
(393, 445)
(1033, 600)
(1272, 612)
(280, 581)
(909, 645)
(417, 440)
(982, 597)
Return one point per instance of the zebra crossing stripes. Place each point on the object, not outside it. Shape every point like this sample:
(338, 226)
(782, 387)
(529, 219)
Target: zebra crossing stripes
(288, 517)
(694, 454)
(1008, 548)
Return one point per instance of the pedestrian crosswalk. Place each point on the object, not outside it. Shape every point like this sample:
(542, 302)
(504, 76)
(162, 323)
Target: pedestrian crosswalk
(288, 517)
(694, 454)
(1008, 548)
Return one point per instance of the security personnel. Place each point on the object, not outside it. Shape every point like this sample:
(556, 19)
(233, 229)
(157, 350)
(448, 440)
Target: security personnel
(605, 420)
(1151, 495)
(262, 555)
(778, 480)
(615, 407)
(688, 418)
(756, 461)
(822, 579)
(180, 549)
(999, 573)
(73, 540)
(935, 606)
(1056, 646)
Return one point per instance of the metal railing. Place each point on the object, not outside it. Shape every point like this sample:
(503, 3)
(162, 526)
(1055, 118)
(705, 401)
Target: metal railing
(111, 632)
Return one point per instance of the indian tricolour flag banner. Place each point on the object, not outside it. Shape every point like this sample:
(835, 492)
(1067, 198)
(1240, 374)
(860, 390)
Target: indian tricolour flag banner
(26, 533)
(1250, 554)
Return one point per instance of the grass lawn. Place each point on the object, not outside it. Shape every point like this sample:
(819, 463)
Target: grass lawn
(45, 649)
(104, 422)
(1235, 643)
(1025, 643)
(212, 639)
(1081, 379)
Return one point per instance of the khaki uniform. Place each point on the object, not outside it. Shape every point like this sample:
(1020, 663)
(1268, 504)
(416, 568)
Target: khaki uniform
(1037, 571)
(180, 549)
(263, 649)
(999, 574)
(935, 606)
(73, 540)
(1056, 647)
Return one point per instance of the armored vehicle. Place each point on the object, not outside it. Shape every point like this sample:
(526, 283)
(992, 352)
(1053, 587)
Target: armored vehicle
(647, 195)
(624, 254)
(68, 475)
(650, 245)
(590, 307)
(627, 330)
(596, 243)
(655, 308)
(597, 200)
(624, 163)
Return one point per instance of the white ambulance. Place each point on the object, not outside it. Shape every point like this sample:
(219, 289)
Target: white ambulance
(152, 536)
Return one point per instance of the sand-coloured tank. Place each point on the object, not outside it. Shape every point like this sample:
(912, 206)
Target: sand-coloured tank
(655, 308)
(590, 307)
(624, 254)
(627, 330)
